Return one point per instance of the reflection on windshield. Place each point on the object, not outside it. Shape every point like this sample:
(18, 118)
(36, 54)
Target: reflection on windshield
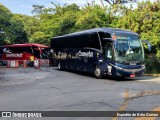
(45, 54)
(129, 49)
(108, 50)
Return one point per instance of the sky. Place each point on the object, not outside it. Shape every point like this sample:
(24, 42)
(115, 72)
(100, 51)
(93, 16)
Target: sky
(25, 6)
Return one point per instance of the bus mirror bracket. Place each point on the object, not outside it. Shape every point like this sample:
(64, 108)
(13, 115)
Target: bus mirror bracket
(108, 39)
(148, 43)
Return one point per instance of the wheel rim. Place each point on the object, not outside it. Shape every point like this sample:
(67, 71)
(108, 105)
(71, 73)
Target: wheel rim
(59, 66)
(97, 72)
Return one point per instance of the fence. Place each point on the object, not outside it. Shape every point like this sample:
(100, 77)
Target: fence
(19, 64)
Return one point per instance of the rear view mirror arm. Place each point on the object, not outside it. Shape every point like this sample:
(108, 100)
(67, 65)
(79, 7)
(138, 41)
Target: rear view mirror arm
(148, 43)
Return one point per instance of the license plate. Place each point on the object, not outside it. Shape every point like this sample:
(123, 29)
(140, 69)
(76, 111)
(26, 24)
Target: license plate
(132, 75)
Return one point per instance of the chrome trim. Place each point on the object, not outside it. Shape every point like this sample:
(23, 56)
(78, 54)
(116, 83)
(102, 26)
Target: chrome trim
(128, 70)
(133, 70)
(115, 66)
(99, 41)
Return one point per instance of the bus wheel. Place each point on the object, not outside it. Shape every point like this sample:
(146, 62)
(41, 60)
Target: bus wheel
(59, 66)
(98, 73)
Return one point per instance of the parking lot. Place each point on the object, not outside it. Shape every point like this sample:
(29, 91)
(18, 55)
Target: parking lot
(52, 90)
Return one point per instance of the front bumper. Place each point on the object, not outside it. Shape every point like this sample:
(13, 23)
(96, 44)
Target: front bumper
(124, 72)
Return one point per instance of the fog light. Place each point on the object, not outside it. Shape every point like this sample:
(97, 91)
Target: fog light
(118, 74)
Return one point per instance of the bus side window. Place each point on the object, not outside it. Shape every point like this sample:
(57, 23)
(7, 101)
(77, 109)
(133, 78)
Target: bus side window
(36, 52)
(28, 50)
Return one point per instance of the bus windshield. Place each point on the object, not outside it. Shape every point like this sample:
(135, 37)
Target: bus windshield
(128, 49)
(45, 53)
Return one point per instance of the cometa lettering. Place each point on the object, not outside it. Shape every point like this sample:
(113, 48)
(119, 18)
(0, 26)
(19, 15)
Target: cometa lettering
(86, 54)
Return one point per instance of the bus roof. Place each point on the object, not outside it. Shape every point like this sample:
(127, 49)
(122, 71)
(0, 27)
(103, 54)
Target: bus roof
(26, 45)
(107, 30)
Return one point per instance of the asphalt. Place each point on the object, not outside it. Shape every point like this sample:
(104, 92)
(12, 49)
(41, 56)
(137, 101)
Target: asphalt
(48, 89)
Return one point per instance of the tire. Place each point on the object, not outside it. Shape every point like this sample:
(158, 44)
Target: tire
(98, 73)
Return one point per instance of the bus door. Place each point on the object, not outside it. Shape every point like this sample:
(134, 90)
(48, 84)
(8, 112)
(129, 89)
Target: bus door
(108, 57)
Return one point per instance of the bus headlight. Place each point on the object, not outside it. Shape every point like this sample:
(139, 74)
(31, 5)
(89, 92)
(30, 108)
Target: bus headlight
(143, 66)
(100, 60)
(118, 74)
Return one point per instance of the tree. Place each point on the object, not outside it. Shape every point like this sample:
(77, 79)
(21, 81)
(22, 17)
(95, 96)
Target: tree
(40, 37)
(145, 21)
(116, 2)
(68, 19)
(59, 20)
(37, 9)
(17, 34)
(4, 24)
(54, 21)
(12, 27)
(93, 16)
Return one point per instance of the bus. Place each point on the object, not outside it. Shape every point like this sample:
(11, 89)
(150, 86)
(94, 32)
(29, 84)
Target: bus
(100, 51)
(20, 52)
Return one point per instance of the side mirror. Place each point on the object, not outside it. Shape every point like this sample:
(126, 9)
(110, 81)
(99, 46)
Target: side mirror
(148, 43)
(110, 40)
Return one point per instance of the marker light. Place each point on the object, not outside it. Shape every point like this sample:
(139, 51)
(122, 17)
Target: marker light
(114, 37)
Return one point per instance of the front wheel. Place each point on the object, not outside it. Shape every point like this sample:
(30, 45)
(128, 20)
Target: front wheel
(98, 73)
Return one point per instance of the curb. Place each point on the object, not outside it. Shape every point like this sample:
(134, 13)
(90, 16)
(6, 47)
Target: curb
(155, 75)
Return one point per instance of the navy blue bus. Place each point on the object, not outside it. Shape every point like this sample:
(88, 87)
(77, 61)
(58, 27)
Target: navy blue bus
(100, 51)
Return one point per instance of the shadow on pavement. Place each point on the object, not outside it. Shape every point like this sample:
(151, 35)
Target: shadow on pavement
(110, 78)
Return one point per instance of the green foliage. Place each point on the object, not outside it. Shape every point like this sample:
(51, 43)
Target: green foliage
(18, 34)
(4, 16)
(145, 21)
(158, 54)
(39, 37)
(4, 24)
(12, 28)
(38, 9)
(92, 16)
(152, 65)
(68, 19)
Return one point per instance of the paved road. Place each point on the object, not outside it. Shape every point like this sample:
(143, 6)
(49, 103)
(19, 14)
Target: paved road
(53, 90)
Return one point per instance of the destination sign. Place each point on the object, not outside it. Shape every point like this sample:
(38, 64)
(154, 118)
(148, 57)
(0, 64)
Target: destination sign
(14, 55)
